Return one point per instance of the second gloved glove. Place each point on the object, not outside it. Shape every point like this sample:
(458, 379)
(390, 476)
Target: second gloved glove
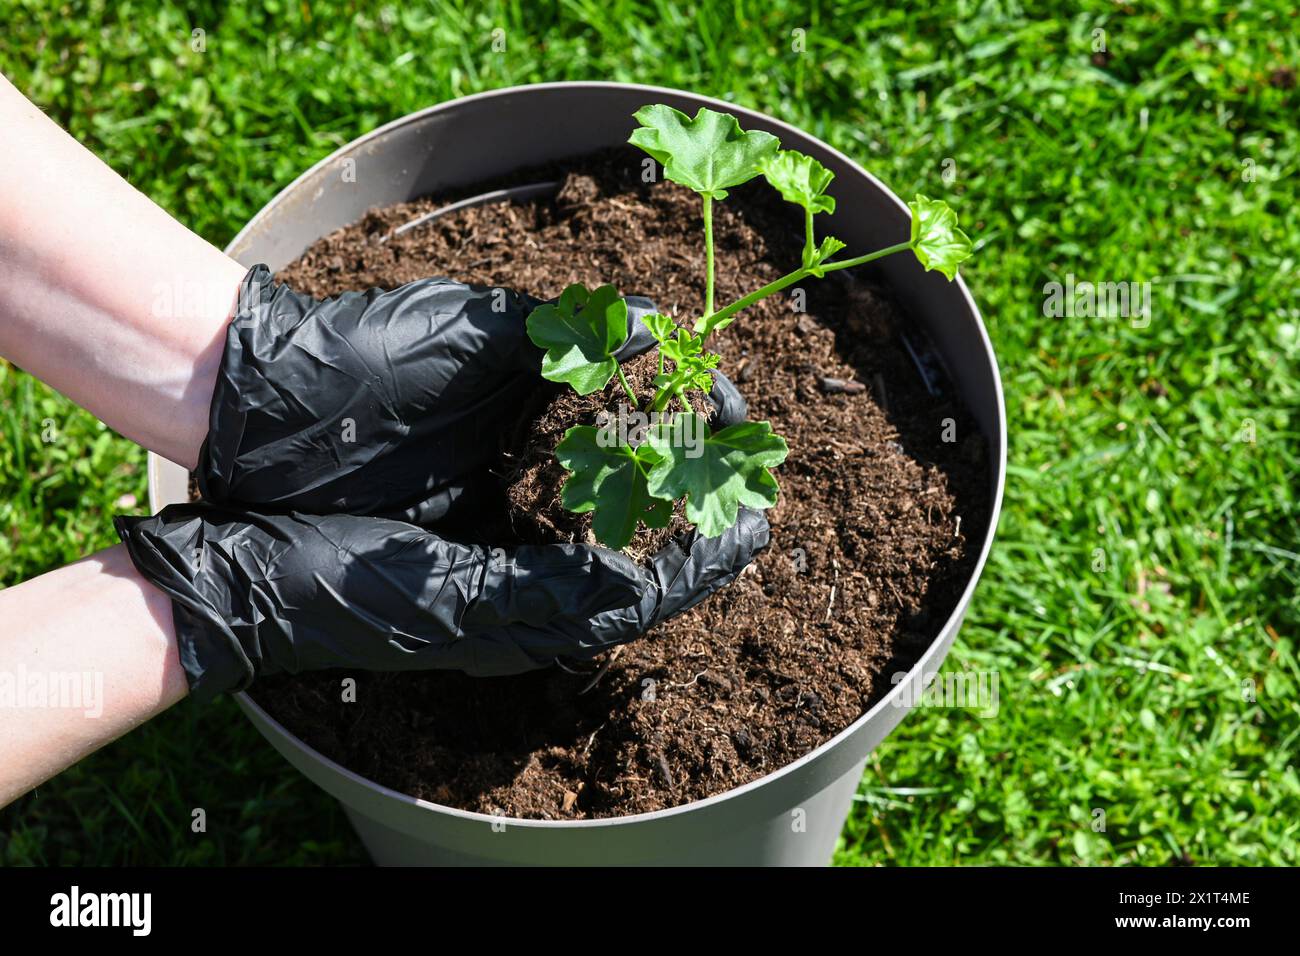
(261, 594)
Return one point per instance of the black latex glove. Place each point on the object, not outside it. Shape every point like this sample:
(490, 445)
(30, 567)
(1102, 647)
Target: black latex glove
(373, 402)
(261, 594)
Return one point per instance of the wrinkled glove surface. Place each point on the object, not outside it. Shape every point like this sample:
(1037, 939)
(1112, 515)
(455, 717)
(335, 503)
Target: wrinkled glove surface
(370, 402)
(261, 594)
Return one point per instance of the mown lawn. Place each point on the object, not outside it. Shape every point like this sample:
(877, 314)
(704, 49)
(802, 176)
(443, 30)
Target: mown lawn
(1140, 607)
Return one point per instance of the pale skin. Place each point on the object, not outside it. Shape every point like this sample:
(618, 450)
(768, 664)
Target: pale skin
(115, 304)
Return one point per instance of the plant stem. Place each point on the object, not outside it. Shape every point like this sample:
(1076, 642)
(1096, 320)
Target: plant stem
(668, 393)
(670, 388)
(708, 255)
(860, 260)
(808, 244)
(631, 396)
(723, 317)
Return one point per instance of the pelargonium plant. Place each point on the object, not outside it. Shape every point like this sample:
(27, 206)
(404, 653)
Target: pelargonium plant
(626, 483)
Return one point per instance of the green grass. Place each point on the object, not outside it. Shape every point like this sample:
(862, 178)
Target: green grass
(1121, 688)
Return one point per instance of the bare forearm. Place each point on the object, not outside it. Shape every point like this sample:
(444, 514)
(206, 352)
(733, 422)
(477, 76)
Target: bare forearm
(102, 294)
(87, 653)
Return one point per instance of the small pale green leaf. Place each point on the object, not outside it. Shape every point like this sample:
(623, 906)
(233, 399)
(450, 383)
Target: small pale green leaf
(609, 479)
(660, 326)
(693, 364)
(701, 377)
(800, 179)
(682, 347)
(936, 240)
(580, 333)
(709, 154)
(716, 472)
(830, 245)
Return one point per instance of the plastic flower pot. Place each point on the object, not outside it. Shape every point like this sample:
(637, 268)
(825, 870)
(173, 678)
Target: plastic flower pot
(790, 816)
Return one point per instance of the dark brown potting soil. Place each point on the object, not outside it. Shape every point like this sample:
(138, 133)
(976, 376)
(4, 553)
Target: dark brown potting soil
(871, 540)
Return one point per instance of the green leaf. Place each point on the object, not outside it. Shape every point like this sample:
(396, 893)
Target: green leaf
(683, 346)
(709, 154)
(580, 333)
(686, 351)
(717, 473)
(936, 240)
(661, 326)
(609, 479)
(701, 379)
(830, 245)
(800, 179)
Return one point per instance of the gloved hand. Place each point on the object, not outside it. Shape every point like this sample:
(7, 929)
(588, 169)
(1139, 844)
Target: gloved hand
(432, 370)
(387, 403)
(261, 594)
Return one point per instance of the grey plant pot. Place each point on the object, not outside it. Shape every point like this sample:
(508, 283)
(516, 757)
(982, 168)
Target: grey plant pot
(791, 816)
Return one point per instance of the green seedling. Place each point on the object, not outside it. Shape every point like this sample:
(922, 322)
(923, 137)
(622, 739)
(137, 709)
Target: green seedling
(625, 483)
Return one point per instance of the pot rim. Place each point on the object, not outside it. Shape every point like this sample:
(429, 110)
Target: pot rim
(951, 623)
